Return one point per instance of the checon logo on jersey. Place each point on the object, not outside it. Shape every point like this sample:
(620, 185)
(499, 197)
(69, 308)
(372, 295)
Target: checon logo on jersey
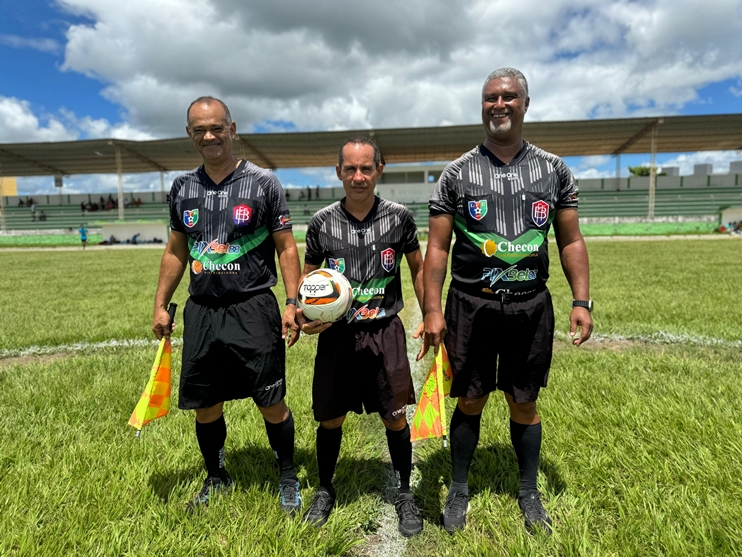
(540, 212)
(387, 260)
(241, 214)
(190, 218)
(477, 209)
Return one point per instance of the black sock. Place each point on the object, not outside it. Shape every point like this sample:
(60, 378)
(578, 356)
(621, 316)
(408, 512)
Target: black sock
(464, 439)
(400, 449)
(281, 439)
(526, 441)
(328, 450)
(211, 439)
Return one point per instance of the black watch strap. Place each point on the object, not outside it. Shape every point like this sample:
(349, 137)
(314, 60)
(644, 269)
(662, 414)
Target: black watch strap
(587, 304)
(290, 301)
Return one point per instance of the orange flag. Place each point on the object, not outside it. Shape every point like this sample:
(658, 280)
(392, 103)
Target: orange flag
(429, 420)
(155, 400)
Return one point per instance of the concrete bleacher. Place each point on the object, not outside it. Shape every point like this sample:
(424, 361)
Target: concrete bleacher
(598, 199)
(70, 216)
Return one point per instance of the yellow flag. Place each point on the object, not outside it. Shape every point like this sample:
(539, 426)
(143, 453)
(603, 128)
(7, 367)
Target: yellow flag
(155, 401)
(429, 421)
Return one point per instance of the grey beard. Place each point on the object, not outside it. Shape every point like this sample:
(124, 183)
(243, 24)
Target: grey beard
(502, 129)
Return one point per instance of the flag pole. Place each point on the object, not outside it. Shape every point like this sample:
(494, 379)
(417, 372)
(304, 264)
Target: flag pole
(441, 395)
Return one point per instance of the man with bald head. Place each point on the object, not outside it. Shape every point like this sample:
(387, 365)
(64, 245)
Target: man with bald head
(500, 199)
(228, 220)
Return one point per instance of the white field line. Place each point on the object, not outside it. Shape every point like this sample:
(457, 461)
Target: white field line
(661, 337)
(81, 347)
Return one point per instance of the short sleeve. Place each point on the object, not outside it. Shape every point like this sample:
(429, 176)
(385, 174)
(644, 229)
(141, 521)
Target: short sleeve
(176, 223)
(278, 215)
(443, 198)
(313, 253)
(568, 191)
(409, 234)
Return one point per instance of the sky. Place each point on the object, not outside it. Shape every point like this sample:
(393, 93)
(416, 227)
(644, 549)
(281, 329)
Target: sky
(83, 69)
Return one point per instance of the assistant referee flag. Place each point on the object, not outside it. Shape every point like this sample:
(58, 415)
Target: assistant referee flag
(429, 421)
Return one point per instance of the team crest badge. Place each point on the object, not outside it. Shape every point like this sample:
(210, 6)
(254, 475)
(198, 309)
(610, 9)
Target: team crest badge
(540, 212)
(388, 261)
(241, 214)
(190, 218)
(477, 209)
(337, 264)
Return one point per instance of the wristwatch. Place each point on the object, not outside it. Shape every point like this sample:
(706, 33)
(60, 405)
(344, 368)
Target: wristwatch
(290, 301)
(587, 304)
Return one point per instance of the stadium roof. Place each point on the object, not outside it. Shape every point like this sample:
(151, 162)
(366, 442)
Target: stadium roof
(675, 134)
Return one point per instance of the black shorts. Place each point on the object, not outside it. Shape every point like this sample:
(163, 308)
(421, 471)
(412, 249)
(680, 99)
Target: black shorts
(361, 366)
(232, 351)
(495, 345)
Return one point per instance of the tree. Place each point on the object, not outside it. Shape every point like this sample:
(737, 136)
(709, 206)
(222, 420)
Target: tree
(643, 171)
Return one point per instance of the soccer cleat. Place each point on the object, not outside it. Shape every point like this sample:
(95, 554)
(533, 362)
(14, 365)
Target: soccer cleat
(212, 485)
(454, 511)
(534, 512)
(290, 496)
(319, 511)
(410, 520)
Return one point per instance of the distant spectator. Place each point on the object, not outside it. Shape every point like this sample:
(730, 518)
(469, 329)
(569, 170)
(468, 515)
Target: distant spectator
(301, 195)
(309, 193)
(20, 202)
(306, 210)
(288, 196)
(109, 204)
(82, 207)
(42, 216)
(102, 202)
(33, 211)
(138, 201)
(126, 203)
(83, 235)
(316, 193)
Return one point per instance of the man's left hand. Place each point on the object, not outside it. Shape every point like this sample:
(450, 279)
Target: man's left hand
(580, 318)
(289, 326)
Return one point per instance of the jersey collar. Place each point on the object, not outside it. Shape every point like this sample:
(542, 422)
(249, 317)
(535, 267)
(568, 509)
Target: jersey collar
(369, 216)
(497, 162)
(209, 183)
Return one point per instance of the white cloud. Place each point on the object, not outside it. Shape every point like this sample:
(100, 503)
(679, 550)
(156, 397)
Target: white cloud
(338, 65)
(720, 160)
(18, 123)
(41, 44)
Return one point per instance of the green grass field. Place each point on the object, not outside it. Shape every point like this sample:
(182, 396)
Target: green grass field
(642, 452)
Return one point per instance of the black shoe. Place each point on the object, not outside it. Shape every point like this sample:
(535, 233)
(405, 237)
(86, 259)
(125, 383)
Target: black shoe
(319, 511)
(290, 496)
(534, 512)
(410, 520)
(212, 485)
(454, 511)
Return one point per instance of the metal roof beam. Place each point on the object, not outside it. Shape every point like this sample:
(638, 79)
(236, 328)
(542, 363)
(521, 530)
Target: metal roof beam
(139, 156)
(32, 162)
(249, 145)
(637, 137)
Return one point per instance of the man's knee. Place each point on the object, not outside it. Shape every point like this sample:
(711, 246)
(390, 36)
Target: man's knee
(210, 414)
(333, 423)
(396, 425)
(276, 413)
(522, 412)
(472, 406)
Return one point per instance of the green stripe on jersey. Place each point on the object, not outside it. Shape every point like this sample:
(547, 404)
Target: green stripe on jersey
(226, 253)
(510, 251)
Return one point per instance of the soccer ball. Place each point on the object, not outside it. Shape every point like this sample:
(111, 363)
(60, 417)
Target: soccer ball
(326, 295)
